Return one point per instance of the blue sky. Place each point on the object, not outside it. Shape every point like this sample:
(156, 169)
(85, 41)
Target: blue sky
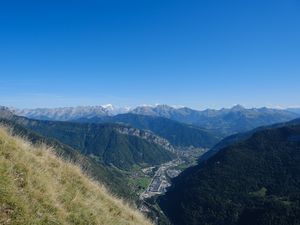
(202, 53)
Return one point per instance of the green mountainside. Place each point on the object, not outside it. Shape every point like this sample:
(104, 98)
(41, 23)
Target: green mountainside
(178, 134)
(103, 141)
(255, 181)
(233, 139)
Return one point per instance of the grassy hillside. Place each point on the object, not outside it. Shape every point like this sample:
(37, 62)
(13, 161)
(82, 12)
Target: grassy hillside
(113, 178)
(255, 181)
(37, 187)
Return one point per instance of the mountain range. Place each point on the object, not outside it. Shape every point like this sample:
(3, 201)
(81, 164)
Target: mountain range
(226, 121)
(245, 178)
(70, 113)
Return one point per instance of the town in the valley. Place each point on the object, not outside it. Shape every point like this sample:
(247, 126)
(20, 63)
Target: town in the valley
(162, 175)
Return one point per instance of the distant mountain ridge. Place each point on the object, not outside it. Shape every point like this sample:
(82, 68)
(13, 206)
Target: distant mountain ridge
(294, 110)
(227, 121)
(70, 113)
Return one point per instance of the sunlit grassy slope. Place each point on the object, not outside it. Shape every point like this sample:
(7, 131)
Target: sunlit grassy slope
(37, 187)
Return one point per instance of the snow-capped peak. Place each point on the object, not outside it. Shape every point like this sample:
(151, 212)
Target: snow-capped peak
(108, 107)
(72, 113)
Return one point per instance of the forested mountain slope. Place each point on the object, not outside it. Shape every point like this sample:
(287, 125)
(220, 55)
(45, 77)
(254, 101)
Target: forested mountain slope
(178, 134)
(255, 181)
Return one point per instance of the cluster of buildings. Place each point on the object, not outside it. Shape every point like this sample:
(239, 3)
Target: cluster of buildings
(161, 180)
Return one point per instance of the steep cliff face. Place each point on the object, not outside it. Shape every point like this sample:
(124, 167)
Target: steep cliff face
(146, 135)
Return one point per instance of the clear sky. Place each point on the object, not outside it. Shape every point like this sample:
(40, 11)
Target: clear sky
(202, 53)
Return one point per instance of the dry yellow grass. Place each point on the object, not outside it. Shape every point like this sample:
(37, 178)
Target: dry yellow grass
(37, 187)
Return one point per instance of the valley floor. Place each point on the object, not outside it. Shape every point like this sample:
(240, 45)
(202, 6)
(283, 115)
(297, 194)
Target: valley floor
(161, 178)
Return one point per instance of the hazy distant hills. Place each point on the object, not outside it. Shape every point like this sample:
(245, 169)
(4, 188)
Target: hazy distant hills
(294, 110)
(255, 181)
(226, 121)
(178, 134)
